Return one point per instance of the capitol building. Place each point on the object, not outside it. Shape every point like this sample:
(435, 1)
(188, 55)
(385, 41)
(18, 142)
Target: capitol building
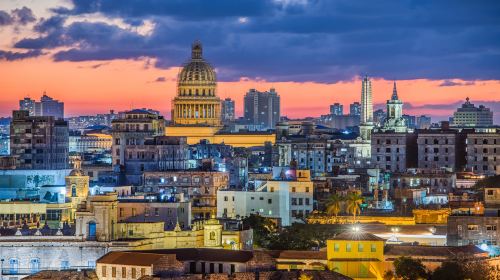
(196, 110)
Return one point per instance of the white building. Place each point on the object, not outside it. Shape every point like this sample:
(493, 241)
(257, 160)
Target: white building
(288, 197)
(470, 116)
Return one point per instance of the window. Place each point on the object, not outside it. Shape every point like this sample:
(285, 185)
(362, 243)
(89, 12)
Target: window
(34, 265)
(348, 247)
(134, 273)
(143, 271)
(221, 268)
(307, 189)
(103, 271)
(336, 247)
(113, 272)
(491, 227)
(307, 201)
(269, 201)
(124, 272)
(373, 248)
(472, 227)
(157, 212)
(360, 247)
(64, 264)
(293, 189)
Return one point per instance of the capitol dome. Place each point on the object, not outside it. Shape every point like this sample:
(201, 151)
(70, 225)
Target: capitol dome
(197, 77)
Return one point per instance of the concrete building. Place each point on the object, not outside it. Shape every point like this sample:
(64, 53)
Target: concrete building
(483, 153)
(366, 124)
(340, 121)
(423, 122)
(90, 142)
(133, 129)
(441, 149)
(337, 109)
(39, 142)
(49, 107)
(355, 109)
(288, 197)
(262, 108)
(228, 114)
(394, 152)
(27, 104)
(410, 121)
(469, 115)
(198, 187)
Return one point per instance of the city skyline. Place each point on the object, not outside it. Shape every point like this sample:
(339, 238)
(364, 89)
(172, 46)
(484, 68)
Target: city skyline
(91, 76)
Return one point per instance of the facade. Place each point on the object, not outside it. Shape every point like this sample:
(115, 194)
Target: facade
(340, 121)
(355, 109)
(90, 142)
(483, 153)
(441, 149)
(366, 124)
(198, 187)
(423, 122)
(39, 142)
(170, 213)
(477, 230)
(288, 197)
(337, 109)
(133, 129)
(228, 115)
(262, 108)
(27, 104)
(410, 121)
(47, 106)
(471, 116)
(394, 152)
(196, 102)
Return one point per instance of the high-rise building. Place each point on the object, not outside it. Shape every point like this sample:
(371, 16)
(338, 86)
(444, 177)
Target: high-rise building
(337, 109)
(379, 117)
(197, 102)
(262, 108)
(366, 126)
(424, 122)
(228, 115)
(47, 106)
(39, 142)
(471, 116)
(355, 109)
(27, 104)
(410, 121)
(394, 120)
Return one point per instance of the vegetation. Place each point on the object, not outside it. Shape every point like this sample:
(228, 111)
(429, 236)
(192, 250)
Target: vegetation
(333, 205)
(409, 269)
(354, 201)
(295, 237)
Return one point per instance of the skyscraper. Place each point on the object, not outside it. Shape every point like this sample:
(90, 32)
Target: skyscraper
(47, 106)
(424, 122)
(337, 109)
(366, 101)
(366, 125)
(39, 142)
(262, 108)
(355, 109)
(228, 110)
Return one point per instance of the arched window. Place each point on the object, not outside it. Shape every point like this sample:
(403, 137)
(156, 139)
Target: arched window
(203, 92)
(196, 91)
(34, 265)
(73, 190)
(13, 266)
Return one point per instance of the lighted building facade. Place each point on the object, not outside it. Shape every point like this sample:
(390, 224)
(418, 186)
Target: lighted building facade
(471, 116)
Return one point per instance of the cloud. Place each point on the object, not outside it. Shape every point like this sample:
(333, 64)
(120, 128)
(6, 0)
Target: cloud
(23, 15)
(283, 40)
(451, 83)
(161, 79)
(5, 18)
(10, 56)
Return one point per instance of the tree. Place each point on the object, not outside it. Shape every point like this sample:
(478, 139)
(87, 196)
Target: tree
(354, 201)
(409, 269)
(333, 205)
(263, 229)
(448, 271)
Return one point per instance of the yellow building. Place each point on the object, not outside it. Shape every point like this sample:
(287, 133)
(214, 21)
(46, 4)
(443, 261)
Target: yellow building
(196, 110)
(356, 254)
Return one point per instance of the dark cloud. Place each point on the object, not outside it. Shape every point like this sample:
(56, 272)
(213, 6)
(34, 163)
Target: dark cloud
(450, 83)
(24, 15)
(9, 56)
(5, 18)
(322, 40)
(161, 79)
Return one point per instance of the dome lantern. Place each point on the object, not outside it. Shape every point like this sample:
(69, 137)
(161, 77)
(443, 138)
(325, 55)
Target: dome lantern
(197, 50)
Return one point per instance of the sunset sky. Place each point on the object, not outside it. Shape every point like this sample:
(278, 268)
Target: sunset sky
(97, 55)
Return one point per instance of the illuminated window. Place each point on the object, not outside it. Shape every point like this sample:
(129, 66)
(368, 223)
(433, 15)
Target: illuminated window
(348, 247)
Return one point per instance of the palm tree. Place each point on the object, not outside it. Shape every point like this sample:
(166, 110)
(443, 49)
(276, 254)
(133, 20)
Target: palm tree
(333, 205)
(354, 201)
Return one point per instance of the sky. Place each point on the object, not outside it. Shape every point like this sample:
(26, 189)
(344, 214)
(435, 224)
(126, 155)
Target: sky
(97, 55)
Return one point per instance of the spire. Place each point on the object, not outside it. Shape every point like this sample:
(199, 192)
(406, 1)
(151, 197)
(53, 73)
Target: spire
(196, 50)
(394, 92)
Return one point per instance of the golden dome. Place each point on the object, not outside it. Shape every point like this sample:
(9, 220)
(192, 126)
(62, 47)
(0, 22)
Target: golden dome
(197, 77)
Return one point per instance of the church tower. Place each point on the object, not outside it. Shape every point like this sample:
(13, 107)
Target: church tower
(196, 102)
(394, 120)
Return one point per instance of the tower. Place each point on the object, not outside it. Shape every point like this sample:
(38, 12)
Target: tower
(394, 120)
(212, 233)
(196, 102)
(366, 124)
